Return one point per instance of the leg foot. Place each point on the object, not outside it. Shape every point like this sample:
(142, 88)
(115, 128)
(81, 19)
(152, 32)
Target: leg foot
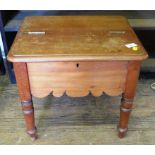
(122, 132)
(33, 134)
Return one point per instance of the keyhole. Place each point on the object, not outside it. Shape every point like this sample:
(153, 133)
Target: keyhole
(77, 65)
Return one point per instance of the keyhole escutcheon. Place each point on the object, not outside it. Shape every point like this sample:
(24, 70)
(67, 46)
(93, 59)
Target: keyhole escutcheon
(77, 65)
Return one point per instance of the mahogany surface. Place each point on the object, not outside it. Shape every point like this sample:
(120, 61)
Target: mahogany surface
(75, 38)
(76, 55)
(25, 97)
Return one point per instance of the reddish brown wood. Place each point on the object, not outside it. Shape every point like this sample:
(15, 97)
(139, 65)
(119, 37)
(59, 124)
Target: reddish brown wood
(127, 97)
(65, 77)
(25, 97)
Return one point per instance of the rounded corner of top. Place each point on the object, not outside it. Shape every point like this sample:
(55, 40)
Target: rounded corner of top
(10, 57)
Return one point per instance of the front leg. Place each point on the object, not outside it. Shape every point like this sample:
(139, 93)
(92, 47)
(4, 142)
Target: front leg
(28, 111)
(125, 110)
(128, 96)
(25, 96)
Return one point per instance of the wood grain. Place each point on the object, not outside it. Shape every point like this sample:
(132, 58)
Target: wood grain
(25, 97)
(128, 96)
(75, 38)
(61, 77)
(22, 79)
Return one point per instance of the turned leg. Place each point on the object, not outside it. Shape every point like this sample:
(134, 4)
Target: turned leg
(125, 110)
(28, 111)
(128, 96)
(25, 96)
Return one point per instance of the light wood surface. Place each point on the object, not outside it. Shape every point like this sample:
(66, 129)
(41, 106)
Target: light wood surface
(61, 77)
(75, 38)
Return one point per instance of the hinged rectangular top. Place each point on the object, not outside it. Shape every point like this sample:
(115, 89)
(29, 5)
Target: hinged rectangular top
(57, 38)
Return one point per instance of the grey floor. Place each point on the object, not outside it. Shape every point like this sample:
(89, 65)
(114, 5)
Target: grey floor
(86, 120)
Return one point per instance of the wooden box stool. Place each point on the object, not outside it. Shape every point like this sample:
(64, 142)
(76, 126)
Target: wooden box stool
(76, 55)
